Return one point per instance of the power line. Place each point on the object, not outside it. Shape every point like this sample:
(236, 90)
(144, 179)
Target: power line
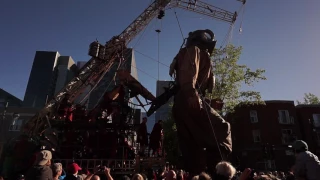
(151, 58)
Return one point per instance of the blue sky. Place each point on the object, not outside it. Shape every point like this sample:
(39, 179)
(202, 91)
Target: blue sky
(279, 36)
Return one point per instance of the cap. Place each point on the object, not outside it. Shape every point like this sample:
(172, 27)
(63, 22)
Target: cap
(73, 168)
(43, 157)
(57, 167)
(300, 145)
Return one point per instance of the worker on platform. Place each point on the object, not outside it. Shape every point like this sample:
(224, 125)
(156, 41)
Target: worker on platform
(156, 139)
(204, 136)
(142, 134)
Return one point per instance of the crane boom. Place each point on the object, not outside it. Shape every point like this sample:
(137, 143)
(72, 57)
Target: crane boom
(96, 67)
(205, 9)
(103, 57)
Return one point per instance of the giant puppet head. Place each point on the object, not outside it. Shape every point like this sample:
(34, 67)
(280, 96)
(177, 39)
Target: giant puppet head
(203, 39)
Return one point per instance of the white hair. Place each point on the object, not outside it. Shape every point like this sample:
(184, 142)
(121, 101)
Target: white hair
(225, 169)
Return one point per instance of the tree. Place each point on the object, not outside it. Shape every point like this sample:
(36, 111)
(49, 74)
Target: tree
(230, 76)
(170, 140)
(309, 98)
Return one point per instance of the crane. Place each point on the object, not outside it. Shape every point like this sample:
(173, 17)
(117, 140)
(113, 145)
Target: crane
(104, 56)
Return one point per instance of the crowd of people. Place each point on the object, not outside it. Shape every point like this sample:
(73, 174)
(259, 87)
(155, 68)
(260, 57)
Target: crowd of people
(307, 167)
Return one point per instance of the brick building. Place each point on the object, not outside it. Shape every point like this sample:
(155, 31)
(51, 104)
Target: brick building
(12, 119)
(309, 118)
(261, 135)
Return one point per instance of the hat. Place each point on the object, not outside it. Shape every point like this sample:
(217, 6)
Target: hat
(300, 145)
(57, 167)
(43, 157)
(73, 168)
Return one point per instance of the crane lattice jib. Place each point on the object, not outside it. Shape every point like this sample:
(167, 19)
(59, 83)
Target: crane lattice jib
(205, 9)
(93, 71)
(143, 20)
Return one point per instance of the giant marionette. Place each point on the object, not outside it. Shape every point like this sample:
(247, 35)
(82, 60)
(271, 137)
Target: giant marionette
(204, 136)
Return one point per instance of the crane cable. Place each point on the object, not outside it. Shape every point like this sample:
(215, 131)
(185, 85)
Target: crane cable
(242, 10)
(203, 101)
(158, 32)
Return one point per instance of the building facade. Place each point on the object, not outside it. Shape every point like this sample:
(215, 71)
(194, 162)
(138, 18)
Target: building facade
(309, 118)
(164, 111)
(262, 135)
(9, 100)
(12, 120)
(49, 74)
(108, 82)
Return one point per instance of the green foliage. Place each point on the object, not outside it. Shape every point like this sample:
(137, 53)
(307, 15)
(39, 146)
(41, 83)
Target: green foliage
(230, 76)
(171, 140)
(309, 98)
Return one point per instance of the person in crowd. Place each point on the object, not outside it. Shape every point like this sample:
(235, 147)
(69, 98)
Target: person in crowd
(198, 125)
(125, 177)
(57, 171)
(307, 165)
(225, 170)
(95, 177)
(137, 177)
(290, 176)
(180, 175)
(41, 170)
(143, 136)
(72, 172)
(204, 176)
(171, 175)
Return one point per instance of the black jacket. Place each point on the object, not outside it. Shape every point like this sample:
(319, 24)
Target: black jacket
(39, 173)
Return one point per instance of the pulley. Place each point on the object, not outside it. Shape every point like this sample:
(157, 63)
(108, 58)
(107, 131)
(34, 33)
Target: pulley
(161, 14)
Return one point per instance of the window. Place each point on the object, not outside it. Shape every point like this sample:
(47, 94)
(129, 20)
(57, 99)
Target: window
(288, 136)
(256, 136)
(316, 120)
(284, 117)
(289, 152)
(291, 119)
(253, 116)
(3, 102)
(16, 125)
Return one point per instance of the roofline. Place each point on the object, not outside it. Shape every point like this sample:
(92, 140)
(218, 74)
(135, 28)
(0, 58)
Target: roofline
(308, 105)
(279, 101)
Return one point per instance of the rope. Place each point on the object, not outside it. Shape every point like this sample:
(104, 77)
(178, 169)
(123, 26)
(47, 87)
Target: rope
(142, 35)
(226, 39)
(150, 58)
(203, 101)
(144, 72)
(158, 31)
(175, 13)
